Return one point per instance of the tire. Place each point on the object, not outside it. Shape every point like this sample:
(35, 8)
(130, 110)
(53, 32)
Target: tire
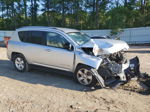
(85, 75)
(20, 63)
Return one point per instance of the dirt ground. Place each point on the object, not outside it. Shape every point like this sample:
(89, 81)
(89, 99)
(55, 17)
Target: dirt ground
(48, 91)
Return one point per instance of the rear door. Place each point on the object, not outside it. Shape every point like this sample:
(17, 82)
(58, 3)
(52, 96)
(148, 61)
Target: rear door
(32, 45)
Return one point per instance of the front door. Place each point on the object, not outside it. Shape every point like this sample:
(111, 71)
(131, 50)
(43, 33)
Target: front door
(56, 53)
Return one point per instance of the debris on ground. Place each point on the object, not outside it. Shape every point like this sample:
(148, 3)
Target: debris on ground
(141, 85)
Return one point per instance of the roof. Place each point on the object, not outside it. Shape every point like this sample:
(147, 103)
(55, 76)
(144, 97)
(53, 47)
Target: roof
(66, 30)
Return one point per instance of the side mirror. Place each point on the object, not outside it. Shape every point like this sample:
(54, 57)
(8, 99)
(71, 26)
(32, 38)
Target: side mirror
(69, 47)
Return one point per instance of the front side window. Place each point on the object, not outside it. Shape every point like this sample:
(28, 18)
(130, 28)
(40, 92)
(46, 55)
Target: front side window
(79, 38)
(56, 40)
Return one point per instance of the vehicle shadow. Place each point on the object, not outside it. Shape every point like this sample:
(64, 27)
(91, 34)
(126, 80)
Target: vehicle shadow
(142, 92)
(48, 77)
(139, 51)
(40, 75)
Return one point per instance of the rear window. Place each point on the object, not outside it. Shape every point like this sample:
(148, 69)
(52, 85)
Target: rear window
(35, 37)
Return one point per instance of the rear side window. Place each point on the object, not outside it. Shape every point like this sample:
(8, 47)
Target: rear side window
(35, 37)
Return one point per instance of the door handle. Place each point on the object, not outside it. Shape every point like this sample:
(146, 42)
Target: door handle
(48, 50)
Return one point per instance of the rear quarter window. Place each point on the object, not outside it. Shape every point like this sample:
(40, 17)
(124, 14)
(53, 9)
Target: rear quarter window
(23, 35)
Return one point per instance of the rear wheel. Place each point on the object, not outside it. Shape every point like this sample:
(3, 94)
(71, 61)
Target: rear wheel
(85, 76)
(20, 63)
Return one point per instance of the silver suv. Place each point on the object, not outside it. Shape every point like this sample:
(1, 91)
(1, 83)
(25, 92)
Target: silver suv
(92, 61)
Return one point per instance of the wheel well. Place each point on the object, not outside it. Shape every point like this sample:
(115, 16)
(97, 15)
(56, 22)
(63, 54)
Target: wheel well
(80, 64)
(13, 54)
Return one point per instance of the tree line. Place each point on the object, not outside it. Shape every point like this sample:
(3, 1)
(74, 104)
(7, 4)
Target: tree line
(79, 14)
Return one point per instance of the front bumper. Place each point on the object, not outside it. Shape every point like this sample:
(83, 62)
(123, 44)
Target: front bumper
(134, 69)
(130, 70)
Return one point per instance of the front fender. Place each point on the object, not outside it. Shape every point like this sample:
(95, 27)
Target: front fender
(92, 61)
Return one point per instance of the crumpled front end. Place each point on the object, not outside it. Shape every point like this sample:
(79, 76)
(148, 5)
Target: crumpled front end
(116, 69)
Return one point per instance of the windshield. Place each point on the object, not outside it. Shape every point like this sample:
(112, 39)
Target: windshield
(79, 38)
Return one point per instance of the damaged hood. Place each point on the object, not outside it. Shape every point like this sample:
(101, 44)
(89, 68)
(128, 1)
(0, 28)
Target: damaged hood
(107, 45)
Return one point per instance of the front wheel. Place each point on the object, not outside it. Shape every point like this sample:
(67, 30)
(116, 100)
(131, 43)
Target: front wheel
(85, 76)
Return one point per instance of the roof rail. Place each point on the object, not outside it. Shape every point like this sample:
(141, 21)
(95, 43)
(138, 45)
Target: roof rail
(37, 27)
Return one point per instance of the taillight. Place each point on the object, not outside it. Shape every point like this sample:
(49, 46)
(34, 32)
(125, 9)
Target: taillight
(6, 39)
